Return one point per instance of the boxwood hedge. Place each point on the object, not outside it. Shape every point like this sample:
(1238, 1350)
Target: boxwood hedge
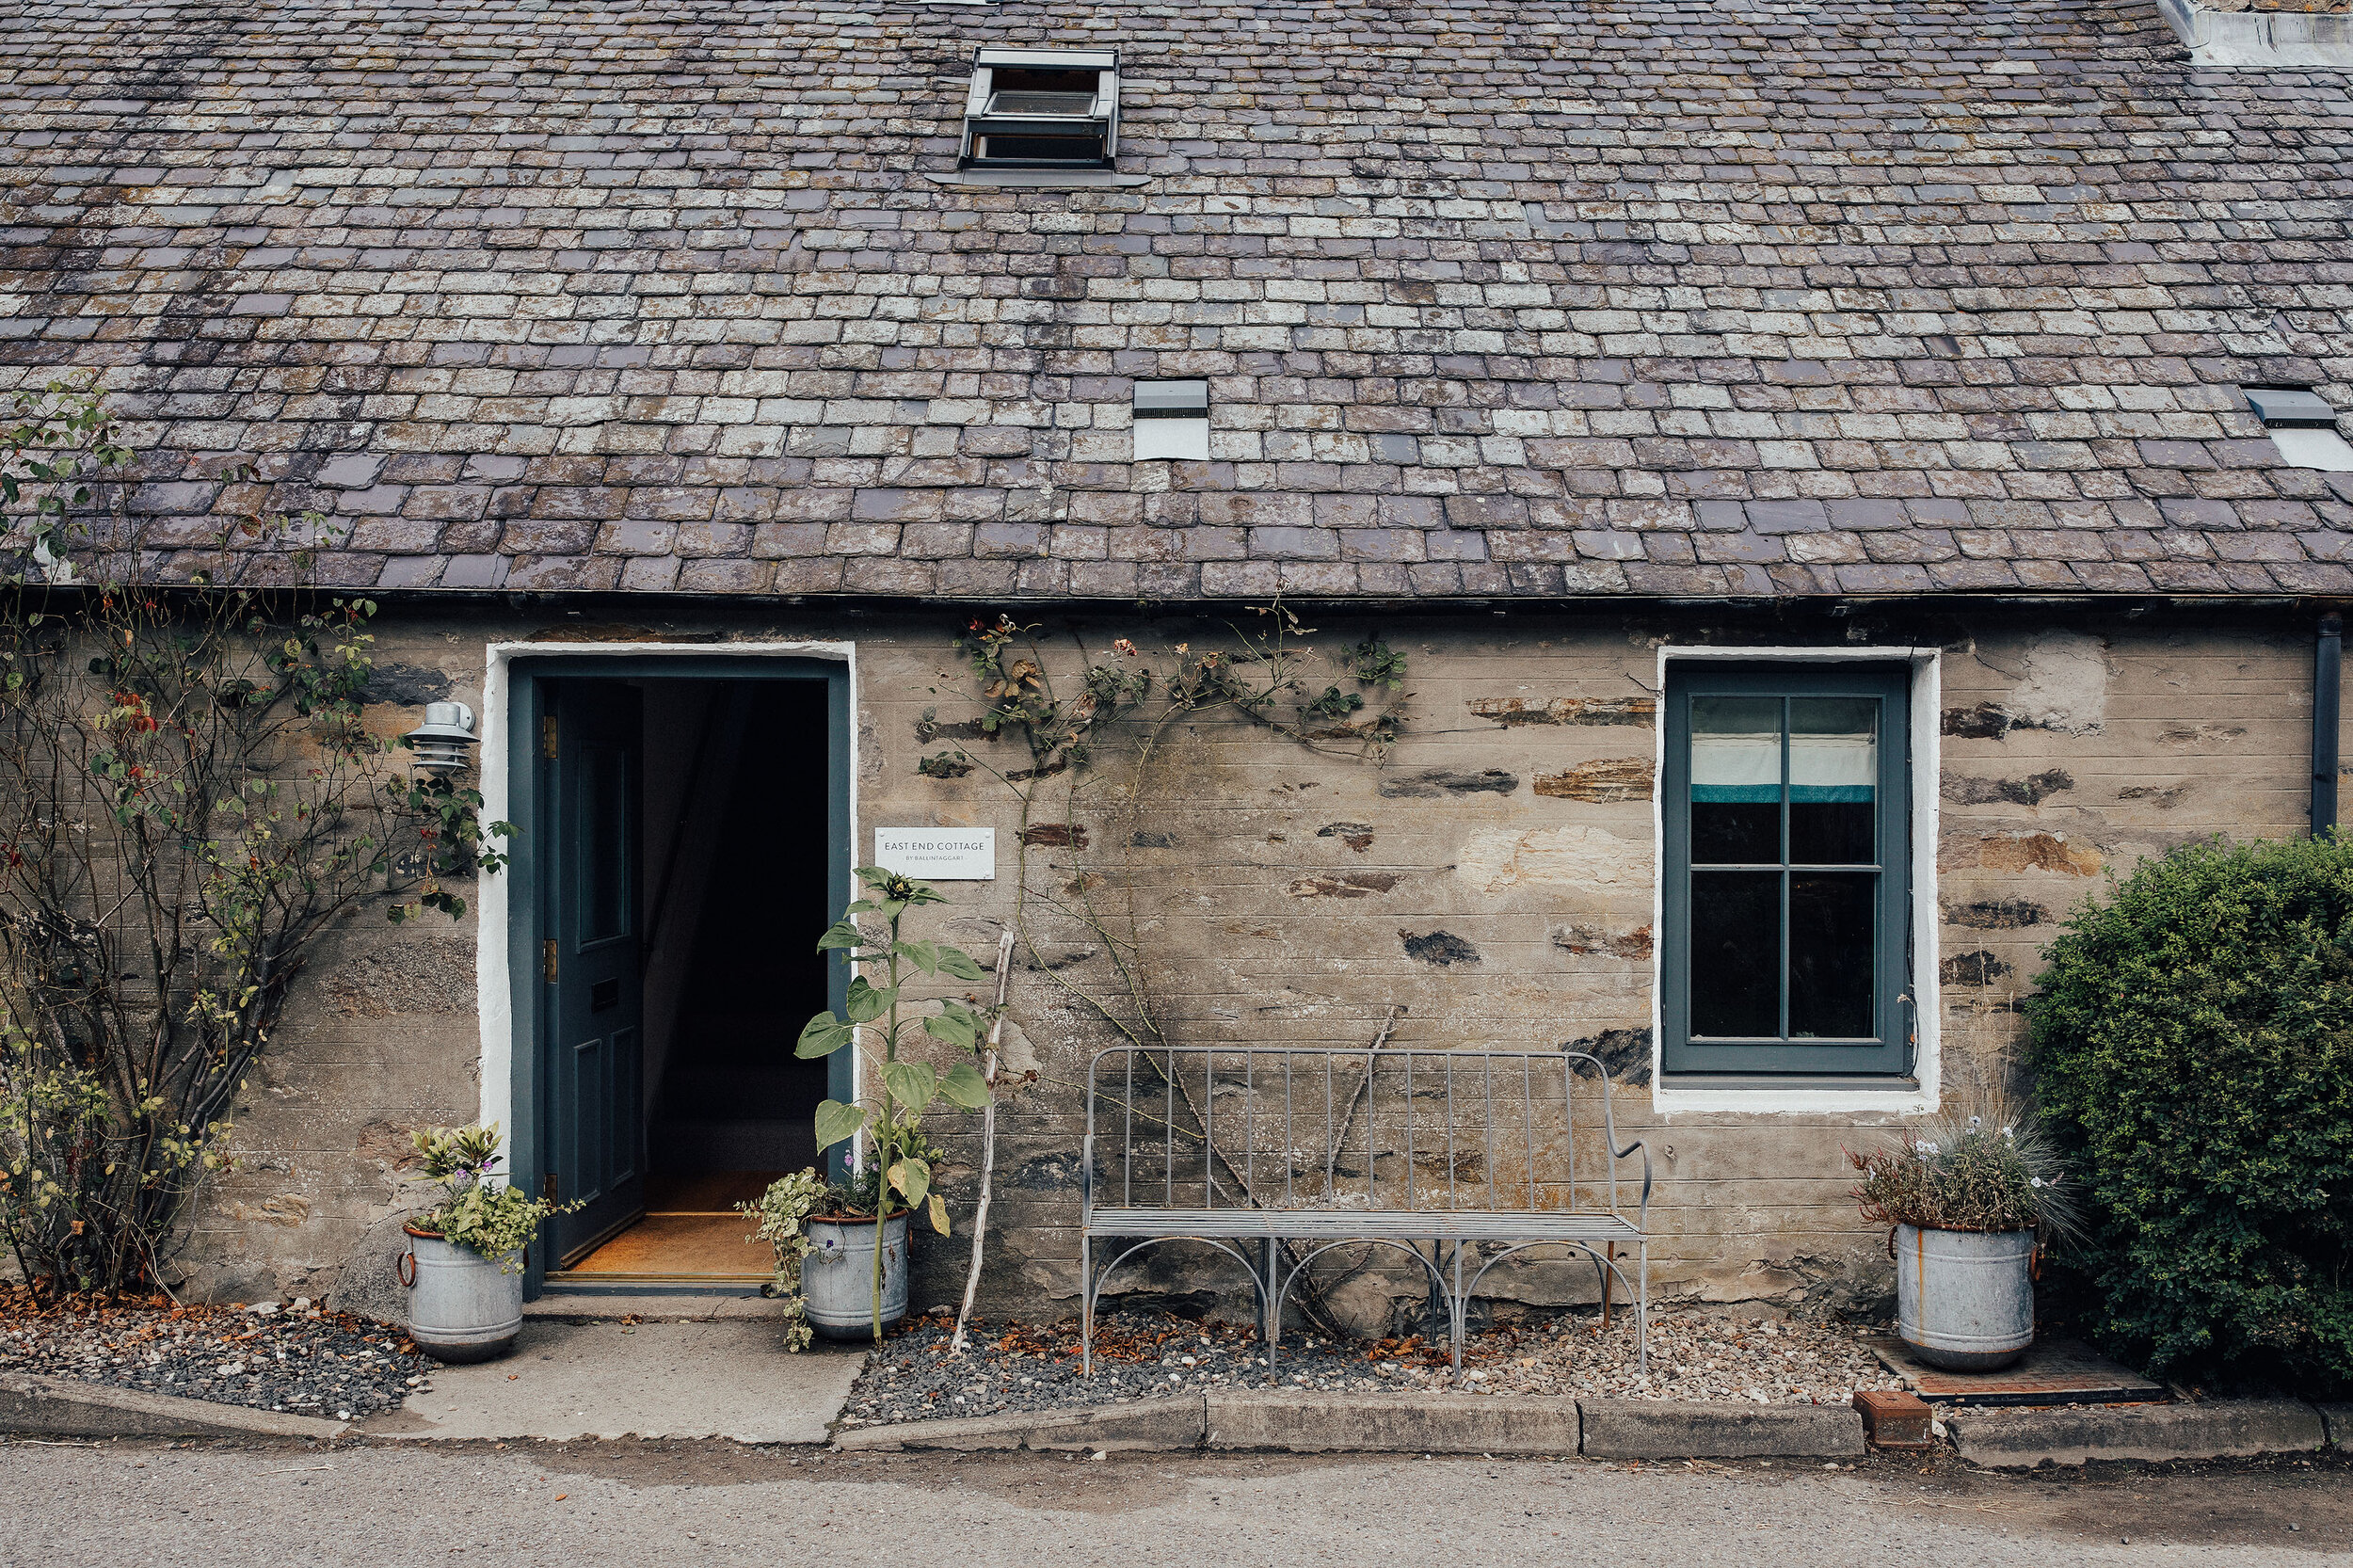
(2193, 1044)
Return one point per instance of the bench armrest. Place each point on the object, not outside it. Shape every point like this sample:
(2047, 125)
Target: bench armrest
(1610, 1132)
(1643, 1222)
(1086, 1177)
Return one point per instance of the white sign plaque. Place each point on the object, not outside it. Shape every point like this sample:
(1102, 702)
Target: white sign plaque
(938, 854)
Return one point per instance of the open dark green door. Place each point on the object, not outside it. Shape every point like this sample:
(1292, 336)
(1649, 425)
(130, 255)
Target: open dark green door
(590, 965)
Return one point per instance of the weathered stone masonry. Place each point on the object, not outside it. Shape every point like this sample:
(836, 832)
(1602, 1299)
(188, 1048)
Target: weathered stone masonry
(1300, 897)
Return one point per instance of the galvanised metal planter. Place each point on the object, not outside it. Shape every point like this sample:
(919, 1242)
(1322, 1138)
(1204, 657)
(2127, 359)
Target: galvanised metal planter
(1964, 1299)
(838, 1276)
(461, 1306)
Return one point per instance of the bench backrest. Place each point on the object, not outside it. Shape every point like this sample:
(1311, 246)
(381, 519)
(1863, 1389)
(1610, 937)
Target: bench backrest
(1313, 1128)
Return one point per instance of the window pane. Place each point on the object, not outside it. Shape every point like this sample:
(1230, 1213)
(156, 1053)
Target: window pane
(604, 880)
(1833, 780)
(1039, 149)
(1831, 922)
(1735, 780)
(1736, 953)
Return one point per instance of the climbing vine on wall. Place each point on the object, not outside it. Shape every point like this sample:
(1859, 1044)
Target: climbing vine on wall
(1088, 745)
(1080, 734)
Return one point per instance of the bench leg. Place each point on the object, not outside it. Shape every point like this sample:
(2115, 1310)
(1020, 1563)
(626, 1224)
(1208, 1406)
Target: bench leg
(1461, 1311)
(1271, 1326)
(1086, 1306)
(1642, 1308)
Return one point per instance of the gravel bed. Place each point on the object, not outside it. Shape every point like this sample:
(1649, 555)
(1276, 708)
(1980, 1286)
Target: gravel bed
(268, 1356)
(1012, 1366)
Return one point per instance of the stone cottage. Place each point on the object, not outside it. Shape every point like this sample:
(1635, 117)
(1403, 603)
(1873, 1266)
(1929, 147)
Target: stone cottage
(1778, 500)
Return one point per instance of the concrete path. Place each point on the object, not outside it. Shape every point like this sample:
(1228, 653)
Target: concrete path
(711, 1378)
(687, 1505)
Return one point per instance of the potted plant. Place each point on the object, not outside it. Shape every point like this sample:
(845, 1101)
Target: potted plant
(1969, 1201)
(780, 1217)
(464, 1267)
(894, 1160)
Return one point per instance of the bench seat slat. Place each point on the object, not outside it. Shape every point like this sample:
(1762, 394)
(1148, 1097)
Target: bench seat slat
(1340, 1224)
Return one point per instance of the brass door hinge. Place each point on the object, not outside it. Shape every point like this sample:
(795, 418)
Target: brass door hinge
(547, 1188)
(547, 960)
(547, 736)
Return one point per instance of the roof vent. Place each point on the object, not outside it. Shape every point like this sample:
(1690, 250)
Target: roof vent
(2291, 408)
(1171, 422)
(2303, 426)
(1042, 109)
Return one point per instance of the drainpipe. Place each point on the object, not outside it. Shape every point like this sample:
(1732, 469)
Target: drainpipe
(2328, 671)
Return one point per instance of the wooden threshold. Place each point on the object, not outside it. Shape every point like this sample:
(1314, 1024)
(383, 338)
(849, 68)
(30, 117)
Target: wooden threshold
(574, 1279)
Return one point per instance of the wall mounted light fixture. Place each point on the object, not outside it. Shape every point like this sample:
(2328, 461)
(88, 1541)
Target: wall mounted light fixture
(442, 741)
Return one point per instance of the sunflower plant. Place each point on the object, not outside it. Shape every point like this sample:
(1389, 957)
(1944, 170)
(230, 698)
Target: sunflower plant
(886, 1126)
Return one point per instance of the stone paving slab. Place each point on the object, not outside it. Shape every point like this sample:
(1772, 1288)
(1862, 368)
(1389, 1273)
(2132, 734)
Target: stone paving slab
(655, 1306)
(2074, 1434)
(1719, 1429)
(1403, 1423)
(705, 1379)
(1163, 1424)
(1391, 1423)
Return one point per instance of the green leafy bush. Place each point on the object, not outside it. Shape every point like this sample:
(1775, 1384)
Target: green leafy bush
(2193, 1042)
(891, 1120)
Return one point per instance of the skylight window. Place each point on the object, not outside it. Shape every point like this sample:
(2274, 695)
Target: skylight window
(1039, 109)
(1171, 422)
(2303, 426)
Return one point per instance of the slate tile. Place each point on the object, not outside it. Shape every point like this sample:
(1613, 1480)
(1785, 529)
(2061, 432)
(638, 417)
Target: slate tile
(1456, 348)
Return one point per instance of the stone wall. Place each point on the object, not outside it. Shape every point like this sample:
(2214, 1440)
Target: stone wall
(1491, 876)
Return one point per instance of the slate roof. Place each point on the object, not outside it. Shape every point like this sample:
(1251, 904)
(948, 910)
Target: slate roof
(1628, 297)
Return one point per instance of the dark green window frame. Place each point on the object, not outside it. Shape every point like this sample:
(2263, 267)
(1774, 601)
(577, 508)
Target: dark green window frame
(1812, 912)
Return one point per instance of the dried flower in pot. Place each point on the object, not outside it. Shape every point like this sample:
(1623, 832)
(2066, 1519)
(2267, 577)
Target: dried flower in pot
(1969, 1199)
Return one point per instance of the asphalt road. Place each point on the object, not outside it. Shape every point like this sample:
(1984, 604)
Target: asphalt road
(634, 1504)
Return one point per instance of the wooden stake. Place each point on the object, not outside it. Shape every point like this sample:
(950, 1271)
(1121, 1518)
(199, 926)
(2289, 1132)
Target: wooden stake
(988, 1136)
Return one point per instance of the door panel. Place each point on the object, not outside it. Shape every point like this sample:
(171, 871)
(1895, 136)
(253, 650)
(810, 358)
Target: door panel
(593, 1005)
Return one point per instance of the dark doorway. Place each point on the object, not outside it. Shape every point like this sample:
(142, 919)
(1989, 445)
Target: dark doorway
(727, 859)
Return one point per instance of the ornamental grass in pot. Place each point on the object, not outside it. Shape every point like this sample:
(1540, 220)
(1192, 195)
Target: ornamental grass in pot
(1969, 1201)
(464, 1267)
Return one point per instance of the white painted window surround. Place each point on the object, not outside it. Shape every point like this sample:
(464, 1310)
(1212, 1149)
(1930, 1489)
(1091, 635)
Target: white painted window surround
(1913, 1097)
(493, 995)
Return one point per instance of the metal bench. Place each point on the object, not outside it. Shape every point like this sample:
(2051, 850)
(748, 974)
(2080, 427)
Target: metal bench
(1304, 1150)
